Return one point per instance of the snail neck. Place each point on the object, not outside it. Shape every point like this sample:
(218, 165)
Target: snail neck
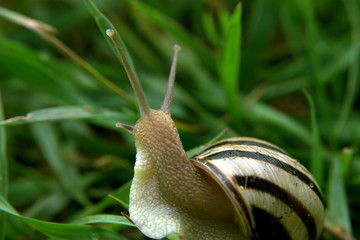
(168, 193)
(160, 150)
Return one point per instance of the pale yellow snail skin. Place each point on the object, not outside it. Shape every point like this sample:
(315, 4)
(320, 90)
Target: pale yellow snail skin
(168, 193)
(206, 197)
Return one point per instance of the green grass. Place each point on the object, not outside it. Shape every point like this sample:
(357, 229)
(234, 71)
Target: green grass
(282, 71)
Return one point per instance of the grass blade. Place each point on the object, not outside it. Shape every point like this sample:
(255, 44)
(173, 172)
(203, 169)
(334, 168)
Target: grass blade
(122, 193)
(210, 29)
(26, 21)
(103, 24)
(104, 218)
(229, 67)
(63, 113)
(66, 173)
(47, 33)
(280, 119)
(337, 200)
(317, 163)
(352, 85)
(307, 9)
(38, 73)
(61, 231)
(171, 27)
(3, 170)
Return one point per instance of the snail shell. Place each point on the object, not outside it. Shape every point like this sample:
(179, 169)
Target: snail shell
(271, 191)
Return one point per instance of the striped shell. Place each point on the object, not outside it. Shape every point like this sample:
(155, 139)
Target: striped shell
(273, 194)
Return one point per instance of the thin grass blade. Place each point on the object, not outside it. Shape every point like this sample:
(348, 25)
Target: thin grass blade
(317, 163)
(352, 86)
(268, 114)
(307, 8)
(62, 231)
(48, 206)
(63, 113)
(104, 218)
(210, 29)
(192, 152)
(38, 73)
(230, 64)
(122, 193)
(103, 24)
(3, 170)
(337, 206)
(171, 27)
(347, 156)
(25, 21)
(66, 172)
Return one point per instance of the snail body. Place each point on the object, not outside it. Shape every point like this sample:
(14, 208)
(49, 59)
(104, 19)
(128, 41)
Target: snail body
(238, 188)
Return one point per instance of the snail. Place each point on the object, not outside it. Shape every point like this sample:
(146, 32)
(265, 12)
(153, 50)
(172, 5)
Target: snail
(238, 188)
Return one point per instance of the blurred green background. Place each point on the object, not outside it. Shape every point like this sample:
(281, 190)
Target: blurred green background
(288, 73)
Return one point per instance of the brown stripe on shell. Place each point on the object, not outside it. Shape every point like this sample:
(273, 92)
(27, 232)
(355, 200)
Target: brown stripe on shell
(263, 185)
(269, 159)
(268, 227)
